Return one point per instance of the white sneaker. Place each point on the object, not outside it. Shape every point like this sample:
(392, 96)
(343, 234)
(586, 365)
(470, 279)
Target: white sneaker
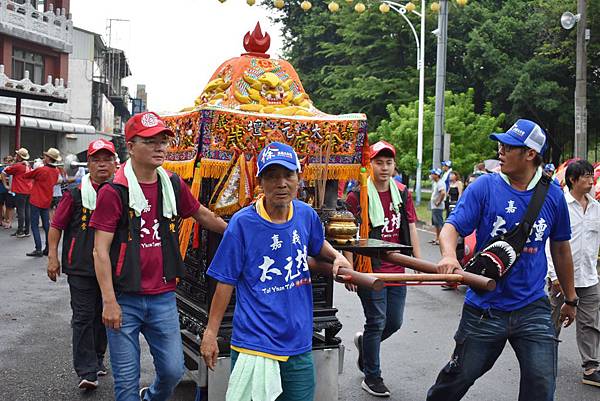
(88, 384)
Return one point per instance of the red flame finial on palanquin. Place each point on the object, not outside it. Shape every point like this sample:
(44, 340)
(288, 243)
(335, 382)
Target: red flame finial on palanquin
(256, 43)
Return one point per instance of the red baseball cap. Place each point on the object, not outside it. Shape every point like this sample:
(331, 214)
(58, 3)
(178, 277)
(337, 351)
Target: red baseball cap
(376, 148)
(100, 144)
(146, 124)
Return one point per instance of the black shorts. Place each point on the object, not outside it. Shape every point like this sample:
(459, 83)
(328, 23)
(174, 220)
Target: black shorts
(7, 199)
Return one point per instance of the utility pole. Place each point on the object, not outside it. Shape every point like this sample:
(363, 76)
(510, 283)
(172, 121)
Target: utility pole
(440, 82)
(580, 84)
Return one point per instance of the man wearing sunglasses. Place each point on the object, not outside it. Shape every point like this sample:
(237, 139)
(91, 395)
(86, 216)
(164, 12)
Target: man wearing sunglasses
(137, 259)
(518, 310)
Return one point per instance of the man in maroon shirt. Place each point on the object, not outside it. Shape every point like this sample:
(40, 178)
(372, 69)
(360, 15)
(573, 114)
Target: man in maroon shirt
(72, 217)
(22, 188)
(137, 259)
(43, 180)
(392, 218)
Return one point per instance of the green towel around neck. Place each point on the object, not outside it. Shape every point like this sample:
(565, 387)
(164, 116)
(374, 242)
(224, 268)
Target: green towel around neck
(88, 193)
(376, 212)
(137, 200)
(254, 378)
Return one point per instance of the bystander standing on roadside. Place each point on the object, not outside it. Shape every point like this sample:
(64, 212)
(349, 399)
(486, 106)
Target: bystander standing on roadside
(72, 217)
(584, 213)
(7, 197)
(21, 187)
(436, 203)
(43, 178)
(455, 190)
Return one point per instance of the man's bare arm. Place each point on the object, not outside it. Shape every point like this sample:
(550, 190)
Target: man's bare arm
(448, 240)
(209, 347)
(563, 265)
(209, 220)
(111, 312)
(414, 240)
(53, 260)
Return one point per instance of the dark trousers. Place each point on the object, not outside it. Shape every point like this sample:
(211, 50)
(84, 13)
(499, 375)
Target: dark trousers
(23, 212)
(36, 213)
(480, 339)
(89, 334)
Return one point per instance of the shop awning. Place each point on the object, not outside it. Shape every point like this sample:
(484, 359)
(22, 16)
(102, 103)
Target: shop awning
(48, 125)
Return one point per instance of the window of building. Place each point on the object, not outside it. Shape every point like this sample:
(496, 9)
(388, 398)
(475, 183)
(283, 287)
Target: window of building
(24, 60)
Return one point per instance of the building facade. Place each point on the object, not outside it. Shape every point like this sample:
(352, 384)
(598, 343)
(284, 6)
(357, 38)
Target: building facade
(36, 38)
(98, 96)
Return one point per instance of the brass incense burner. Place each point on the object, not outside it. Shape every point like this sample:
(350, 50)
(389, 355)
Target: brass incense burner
(341, 226)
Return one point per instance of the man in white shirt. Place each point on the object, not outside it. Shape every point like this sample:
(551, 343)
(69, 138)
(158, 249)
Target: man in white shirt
(584, 213)
(438, 194)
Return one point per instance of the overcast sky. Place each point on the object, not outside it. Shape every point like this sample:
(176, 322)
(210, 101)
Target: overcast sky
(174, 46)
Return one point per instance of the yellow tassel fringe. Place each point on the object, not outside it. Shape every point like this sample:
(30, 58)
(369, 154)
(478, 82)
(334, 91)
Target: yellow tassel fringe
(184, 169)
(187, 225)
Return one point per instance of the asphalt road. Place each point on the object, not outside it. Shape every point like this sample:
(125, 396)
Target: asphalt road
(35, 344)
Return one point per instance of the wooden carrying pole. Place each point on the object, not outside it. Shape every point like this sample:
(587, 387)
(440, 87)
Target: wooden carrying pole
(473, 280)
(403, 277)
(346, 275)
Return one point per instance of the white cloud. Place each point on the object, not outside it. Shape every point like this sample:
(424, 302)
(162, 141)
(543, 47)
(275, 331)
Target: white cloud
(174, 47)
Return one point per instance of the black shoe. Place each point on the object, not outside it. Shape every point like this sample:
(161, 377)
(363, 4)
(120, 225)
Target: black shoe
(45, 252)
(35, 253)
(26, 234)
(593, 379)
(143, 392)
(16, 233)
(358, 342)
(375, 387)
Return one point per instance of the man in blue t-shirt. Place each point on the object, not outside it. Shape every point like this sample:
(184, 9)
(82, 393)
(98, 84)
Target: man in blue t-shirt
(518, 309)
(263, 255)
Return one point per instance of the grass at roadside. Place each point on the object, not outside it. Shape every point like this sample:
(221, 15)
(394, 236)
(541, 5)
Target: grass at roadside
(423, 211)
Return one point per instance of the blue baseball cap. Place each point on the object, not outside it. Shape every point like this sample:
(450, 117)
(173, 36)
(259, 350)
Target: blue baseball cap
(447, 163)
(278, 153)
(436, 171)
(523, 133)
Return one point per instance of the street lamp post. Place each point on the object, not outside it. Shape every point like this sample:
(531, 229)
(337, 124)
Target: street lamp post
(568, 21)
(420, 42)
(440, 83)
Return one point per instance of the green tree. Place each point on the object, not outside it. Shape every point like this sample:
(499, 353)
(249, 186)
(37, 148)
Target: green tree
(513, 53)
(469, 129)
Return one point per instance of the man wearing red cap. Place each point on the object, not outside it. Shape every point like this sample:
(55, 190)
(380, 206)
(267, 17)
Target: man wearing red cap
(137, 259)
(72, 217)
(392, 218)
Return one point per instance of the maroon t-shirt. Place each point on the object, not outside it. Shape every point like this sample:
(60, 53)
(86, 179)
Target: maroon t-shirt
(106, 218)
(64, 211)
(391, 228)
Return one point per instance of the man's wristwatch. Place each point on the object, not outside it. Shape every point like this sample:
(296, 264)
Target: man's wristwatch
(574, 302)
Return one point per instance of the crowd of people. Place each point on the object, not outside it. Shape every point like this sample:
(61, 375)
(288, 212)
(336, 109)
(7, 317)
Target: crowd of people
(122, 256)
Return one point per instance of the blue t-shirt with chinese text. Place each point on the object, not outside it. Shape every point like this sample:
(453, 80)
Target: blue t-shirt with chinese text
(266, 262)
(492, 207)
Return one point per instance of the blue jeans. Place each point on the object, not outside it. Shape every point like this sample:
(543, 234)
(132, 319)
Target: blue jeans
(297, 377)
(480, 339)
(36, 213)
(156, 317)
(384, 312)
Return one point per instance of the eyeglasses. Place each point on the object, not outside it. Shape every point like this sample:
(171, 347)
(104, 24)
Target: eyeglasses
(161, 143)
(505, 148)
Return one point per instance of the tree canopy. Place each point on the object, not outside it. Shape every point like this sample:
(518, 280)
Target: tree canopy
(514, 54)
